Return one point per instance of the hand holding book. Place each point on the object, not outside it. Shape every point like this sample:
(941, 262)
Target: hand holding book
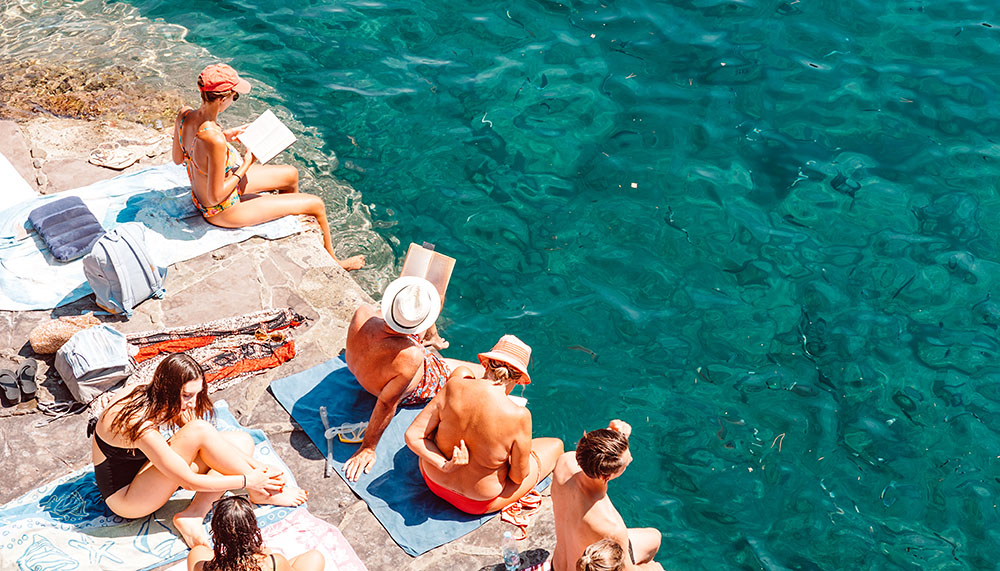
(266, 137)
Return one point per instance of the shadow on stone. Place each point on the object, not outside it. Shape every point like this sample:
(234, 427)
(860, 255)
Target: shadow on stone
(529, 558)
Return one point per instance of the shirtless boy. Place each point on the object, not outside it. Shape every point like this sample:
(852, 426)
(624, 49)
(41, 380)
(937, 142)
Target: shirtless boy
(386, 355)
(493, 459)
(583, 512)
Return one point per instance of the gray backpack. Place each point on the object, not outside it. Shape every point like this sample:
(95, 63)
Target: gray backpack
(120, 271)
(93, 361)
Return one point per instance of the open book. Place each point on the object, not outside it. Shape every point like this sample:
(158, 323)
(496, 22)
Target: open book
(424, 262)
(266, 137)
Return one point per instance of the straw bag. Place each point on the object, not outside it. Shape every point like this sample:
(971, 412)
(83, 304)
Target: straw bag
(49, 336)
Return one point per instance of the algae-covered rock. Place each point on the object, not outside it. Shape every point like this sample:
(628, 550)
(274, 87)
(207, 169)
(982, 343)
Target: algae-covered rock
(32, 87)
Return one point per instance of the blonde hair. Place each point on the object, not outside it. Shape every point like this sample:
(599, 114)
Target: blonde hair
(603, 555)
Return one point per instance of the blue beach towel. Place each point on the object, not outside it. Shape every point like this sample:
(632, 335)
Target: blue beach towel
(66, 525)
(394, 489)
(158, 197)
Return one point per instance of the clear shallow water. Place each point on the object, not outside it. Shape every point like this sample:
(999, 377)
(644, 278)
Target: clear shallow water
(793, 305)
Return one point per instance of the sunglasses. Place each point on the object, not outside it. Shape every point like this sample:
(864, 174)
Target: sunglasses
(274, 336)
(236, 96)
(512, 372)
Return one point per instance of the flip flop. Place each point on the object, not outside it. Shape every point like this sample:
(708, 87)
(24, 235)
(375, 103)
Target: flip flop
(26, 376)
(9, 384)
(513, 515)
(112, 156)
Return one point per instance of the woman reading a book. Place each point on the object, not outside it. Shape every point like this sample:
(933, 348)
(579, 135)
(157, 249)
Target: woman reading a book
(227, 190)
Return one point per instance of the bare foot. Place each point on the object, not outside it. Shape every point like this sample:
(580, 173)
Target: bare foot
(291, 496)
(353, 263)
(437, 342)
(191, 529)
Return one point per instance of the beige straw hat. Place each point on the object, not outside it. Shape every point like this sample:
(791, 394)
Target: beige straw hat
(512, 351)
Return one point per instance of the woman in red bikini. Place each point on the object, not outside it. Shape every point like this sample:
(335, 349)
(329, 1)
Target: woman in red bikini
(227, 190)
(493, 459)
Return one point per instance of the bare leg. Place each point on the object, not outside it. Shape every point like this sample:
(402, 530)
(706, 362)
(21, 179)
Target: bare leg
(547, 451)
(258, 208)
(311, 560)
(433, 339)
(645, 543)
(262, 178)
(476, 368)
(200, 445)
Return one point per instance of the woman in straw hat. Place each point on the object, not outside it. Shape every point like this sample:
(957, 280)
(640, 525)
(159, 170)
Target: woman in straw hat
(474, 442)
(226, 190)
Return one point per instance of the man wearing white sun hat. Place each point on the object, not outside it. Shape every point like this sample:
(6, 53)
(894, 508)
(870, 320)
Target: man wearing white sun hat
(385, 352)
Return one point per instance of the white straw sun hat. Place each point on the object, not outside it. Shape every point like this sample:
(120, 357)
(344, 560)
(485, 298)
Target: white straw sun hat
(410, 305)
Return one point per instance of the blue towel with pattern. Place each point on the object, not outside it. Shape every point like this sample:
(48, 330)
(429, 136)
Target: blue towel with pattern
(66, 525)
(394, 490)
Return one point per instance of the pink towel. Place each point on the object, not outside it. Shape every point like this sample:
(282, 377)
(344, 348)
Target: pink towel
(302, 531)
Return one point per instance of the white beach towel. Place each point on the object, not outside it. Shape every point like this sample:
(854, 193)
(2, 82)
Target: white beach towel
(13, 188)
(158, 197)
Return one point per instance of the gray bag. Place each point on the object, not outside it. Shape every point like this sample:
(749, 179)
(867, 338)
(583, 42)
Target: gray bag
(93, 361)
(120, 270)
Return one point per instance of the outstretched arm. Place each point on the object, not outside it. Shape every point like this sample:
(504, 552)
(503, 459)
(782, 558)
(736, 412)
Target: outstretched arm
(385, 409)
(172, 465)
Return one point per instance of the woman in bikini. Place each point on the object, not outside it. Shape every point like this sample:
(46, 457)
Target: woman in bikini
(226, 190)
(493, 460)
(137, 469)
(239, 546)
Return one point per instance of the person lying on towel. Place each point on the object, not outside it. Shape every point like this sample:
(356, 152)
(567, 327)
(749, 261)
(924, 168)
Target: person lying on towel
(492, 460)
(224, 188)
(386, 354)
(240, 547)
(137, 469)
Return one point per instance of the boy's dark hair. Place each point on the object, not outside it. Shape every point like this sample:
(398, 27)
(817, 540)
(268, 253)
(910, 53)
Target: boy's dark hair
(600, 452)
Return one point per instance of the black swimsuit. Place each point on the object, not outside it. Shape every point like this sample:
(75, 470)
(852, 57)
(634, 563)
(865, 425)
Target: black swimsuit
(119, 466)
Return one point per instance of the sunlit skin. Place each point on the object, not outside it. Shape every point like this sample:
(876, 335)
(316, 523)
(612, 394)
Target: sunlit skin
(250, 179)
(584, 514)
(388, 365)
(196, 457)
(473, 440)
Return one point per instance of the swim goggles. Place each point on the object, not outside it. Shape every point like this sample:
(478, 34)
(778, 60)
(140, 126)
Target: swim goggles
(351, 433)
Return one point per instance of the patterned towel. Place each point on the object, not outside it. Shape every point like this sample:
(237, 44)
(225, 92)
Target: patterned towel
(302, 531)
(227, 349)
(66, 525)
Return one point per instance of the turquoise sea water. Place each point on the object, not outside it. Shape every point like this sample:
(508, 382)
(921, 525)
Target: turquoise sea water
(762, 232)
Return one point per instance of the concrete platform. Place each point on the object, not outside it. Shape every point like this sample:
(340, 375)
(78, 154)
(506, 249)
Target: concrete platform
(293, 272)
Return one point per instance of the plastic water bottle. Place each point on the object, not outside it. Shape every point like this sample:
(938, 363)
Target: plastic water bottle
(511, 558)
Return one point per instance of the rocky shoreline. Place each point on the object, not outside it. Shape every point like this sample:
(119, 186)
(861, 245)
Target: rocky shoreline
(52, 153)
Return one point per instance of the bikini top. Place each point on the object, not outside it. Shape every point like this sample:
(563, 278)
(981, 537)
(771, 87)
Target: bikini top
(113, 452)
(233, 160)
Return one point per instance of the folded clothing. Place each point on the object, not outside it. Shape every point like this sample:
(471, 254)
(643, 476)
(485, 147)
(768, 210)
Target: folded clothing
(68, 228)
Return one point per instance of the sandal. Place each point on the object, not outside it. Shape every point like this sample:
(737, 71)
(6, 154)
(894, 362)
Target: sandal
(9, 384)
(26, 376)
(112, 156)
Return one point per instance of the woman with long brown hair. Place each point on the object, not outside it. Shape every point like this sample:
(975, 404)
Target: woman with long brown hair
(137, 469)
(240, 547)
(227, 190)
